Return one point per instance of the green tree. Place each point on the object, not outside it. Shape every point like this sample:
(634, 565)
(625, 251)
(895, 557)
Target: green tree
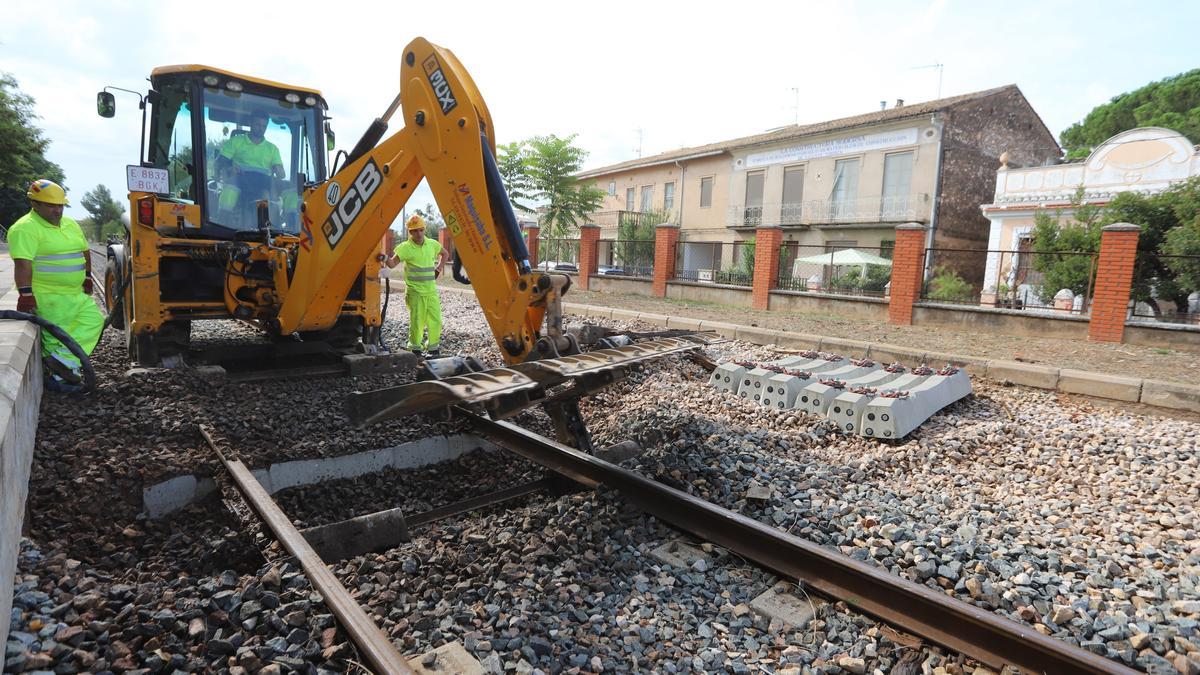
(1056, 245)
(22, 151)
(102, 209)
(635, 237)
(1173, 102)
(433, 220)
(552, 164)
(513, 162)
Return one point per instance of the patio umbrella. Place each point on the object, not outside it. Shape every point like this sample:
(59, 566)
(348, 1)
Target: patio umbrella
(846, 256)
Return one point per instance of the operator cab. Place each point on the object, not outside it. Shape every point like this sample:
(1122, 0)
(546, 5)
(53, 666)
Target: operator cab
(262, 141)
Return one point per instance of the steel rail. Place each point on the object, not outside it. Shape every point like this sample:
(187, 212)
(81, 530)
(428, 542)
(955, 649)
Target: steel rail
(374, 645)
(956, 625)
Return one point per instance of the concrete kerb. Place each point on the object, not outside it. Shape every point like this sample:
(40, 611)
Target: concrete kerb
(725, 330)
(856, 349)
(889, 353)
(653, 319)
(1171, 395)
(761, 336)
(1102, 385)
(974, 365)
(799, 340)
(683, 323)
(1026, 374)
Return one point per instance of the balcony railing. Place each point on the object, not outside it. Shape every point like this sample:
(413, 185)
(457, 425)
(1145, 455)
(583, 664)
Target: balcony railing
(915, 207)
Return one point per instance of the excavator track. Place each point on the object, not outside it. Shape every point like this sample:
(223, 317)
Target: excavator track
(506, 391)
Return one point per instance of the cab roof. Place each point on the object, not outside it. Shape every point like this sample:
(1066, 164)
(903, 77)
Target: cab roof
(198, 68)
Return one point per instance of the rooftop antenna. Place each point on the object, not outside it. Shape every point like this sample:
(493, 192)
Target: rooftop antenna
(939, 71)
(796, 107)
(639, 147)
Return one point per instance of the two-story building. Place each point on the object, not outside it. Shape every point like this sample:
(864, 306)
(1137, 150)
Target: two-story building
(841, 183)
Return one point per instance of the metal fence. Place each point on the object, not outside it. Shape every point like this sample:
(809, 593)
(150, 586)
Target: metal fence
(901, 208)
(626, 257)
(1166, 289)
(702, 262)
(860, 270)
(1038, 281)
(558, 254)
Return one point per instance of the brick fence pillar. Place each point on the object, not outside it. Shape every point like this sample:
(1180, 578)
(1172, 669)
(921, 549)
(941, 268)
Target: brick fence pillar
(766, 264)
(1114, 276)
(531, 243)
(446, 239)
(589, 253)
(666, 236)
(908, 272)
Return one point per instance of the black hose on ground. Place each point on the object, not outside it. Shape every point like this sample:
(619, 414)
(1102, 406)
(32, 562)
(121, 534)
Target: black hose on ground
(387, 297)
(85, 363)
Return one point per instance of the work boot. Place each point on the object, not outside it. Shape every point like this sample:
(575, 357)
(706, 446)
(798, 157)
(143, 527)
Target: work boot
(418, 352)
(62, 371)
(55, 383)
(433, 353)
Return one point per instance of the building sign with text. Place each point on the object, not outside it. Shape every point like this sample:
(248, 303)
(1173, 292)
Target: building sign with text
(838, 146)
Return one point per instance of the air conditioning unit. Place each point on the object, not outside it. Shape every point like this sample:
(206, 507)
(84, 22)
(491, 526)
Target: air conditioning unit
(704, 275)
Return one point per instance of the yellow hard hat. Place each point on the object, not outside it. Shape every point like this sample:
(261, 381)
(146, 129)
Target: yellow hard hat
(47, 191)
(414, 221)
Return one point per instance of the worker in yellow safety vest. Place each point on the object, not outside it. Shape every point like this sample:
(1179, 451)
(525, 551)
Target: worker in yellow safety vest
(246, 164)
(52, 270)
(423, 260)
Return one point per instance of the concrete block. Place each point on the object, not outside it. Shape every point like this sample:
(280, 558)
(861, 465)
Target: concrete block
(816, 398)
(368, 533)
(1102, 385)
(974, 365)
(887, 353)
(653, 319)
(367, 364)
(852, 348)
(785, 603)
(1171, 395)
(782, 390)
(727, 377)
(575, 308)
(896, 417)
(798, 340)
(683, 322)
(451, 657)
(725, 330)
(758, 336)
(1026, 374)
(175, 493)
(754, 384)
(677, 554)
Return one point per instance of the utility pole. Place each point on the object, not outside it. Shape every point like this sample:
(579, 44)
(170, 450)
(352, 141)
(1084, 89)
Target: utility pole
(639, 147)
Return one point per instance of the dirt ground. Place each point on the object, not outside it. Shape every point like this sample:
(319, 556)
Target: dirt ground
(1177, 365)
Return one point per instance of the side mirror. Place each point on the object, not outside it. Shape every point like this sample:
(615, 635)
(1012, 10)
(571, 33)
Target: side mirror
(106, 104)
(330, 137)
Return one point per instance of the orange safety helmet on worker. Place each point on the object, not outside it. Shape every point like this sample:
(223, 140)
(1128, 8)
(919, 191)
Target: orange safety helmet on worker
(51, 273)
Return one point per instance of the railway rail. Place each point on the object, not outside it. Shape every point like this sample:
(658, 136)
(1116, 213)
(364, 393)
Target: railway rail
(910, 607)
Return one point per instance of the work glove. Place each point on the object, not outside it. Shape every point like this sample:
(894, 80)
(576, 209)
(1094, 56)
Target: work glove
(27, 304)
(88, 287)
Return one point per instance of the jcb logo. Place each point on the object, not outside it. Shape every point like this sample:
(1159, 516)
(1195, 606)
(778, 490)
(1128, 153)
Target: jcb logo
(441, 88)
(351, 205)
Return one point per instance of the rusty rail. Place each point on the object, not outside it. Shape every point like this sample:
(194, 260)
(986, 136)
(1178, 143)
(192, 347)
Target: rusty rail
(981, 635)
(374, 645)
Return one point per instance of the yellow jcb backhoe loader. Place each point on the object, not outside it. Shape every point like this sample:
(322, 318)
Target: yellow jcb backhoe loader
(237, 216)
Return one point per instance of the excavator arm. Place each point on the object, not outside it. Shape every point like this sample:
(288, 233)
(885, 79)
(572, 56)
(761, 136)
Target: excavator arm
(447, 139)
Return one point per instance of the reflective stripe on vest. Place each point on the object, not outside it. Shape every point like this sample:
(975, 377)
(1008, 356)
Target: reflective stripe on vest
(60, 256)
(57, 269)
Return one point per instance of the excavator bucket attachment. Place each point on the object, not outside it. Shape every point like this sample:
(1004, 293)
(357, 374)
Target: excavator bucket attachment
(506, 391)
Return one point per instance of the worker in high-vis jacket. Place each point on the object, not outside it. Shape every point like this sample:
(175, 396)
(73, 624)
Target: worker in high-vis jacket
(52, 270)
(423, 260)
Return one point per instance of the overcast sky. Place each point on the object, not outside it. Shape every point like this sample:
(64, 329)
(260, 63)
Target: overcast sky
(622, 76)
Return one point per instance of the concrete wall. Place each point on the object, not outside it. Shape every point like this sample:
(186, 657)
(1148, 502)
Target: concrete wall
(999, 321)
(869, 309)
(609, 284)
(20, 399)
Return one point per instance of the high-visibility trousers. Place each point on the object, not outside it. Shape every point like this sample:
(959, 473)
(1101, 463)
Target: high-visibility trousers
(77, 314)
(424, 313)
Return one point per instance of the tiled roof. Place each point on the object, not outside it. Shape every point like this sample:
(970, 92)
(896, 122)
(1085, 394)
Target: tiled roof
(799, 131)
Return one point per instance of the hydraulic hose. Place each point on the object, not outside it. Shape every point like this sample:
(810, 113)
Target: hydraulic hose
(387, 298)
(89, 375)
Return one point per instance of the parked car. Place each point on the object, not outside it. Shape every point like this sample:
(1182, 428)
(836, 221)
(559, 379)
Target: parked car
(609, 269)
(552, 266)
